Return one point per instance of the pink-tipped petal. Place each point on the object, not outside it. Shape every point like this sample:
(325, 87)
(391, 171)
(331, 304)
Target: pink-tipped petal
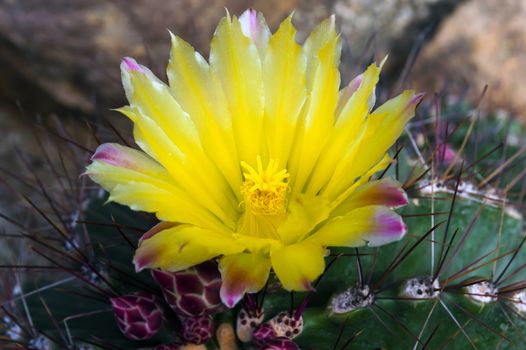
(249, 23)
(182, 246)
(253, 26)
(131, 64)
(373, 225)
(390, 228)
(347, 92)
(156, 229)
(355, 84)
(242, 273)
(117, 155)
(416, 100)
(385, 192)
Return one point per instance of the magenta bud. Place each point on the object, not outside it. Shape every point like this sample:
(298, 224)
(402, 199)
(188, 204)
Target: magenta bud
(446, 154)
(197, 329)
(139, 315)
(192, 292)
(264, 334)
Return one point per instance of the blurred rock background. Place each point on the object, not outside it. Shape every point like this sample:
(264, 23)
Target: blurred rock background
(63, 55)
(59, 59)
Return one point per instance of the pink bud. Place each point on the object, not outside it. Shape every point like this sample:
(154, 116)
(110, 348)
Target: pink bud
(264, 334)
(139, 315)
(192, 292)
(446, 154)
(198, 329)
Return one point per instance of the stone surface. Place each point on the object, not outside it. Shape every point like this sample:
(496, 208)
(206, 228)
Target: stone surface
(64, 54)
(490, 50)
(373, 29)
(68, 51)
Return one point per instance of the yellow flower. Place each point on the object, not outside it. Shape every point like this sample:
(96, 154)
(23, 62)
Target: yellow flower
(255, 157)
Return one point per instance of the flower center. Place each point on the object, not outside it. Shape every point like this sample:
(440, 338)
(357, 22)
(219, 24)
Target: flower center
(265, 190)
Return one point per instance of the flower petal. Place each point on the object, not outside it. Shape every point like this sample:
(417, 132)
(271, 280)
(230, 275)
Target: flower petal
(304, 212)
(322, 50)
(242, 273)
(125, 160)
(235, 61)
(255, 27)
(299, 264)
(285, 92)
(385, 192)
(382, 129)
(347, 92)
(181, 247)
(199, 94)
(347, 129)
(172, 139)
(372, 225)
(136, 180)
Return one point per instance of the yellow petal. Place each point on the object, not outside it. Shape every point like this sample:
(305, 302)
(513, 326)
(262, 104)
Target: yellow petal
(304, 213)
(181, 247)
(373, 225)
(323, 79)
(321, 36)
(199, 94)
(172, 139)
(235, 61)
(136, 180)
(285, 93)
(152, 98)
(299, 264)
(242, 273)
(383, 127)
(346, 131)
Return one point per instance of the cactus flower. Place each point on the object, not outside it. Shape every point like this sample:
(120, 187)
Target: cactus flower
(191, 292)
(255, 157)
(139, 315)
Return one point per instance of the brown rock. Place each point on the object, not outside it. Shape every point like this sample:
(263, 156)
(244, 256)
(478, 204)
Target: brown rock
(376, 28)
(484, 42)
(69, 50)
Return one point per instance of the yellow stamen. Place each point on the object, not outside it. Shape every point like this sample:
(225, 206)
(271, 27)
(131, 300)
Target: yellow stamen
(265, 190)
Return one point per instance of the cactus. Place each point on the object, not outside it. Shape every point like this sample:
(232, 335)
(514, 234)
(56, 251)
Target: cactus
(456, 281)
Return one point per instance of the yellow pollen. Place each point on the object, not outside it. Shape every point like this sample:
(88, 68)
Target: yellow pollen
(265, 190)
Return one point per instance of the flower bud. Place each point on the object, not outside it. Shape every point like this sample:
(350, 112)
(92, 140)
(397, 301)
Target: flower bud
(198, 329)
(192, 292)
(264, 334)
(139, 315)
